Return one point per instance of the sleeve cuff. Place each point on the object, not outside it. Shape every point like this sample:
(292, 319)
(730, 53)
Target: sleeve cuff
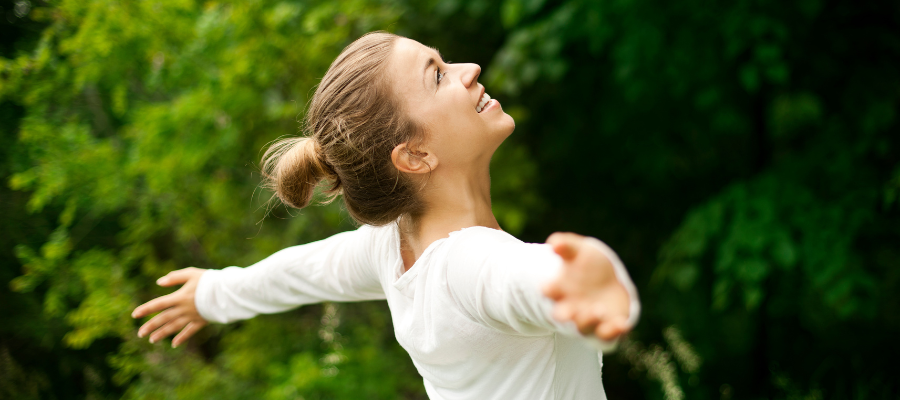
(204, 298)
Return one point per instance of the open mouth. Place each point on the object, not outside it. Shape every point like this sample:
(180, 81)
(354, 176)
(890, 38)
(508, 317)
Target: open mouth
(483, 103)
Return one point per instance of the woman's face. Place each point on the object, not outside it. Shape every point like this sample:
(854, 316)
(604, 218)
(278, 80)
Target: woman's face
(444, 99)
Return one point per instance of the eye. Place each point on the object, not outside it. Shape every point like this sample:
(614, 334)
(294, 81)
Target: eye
(440, 75)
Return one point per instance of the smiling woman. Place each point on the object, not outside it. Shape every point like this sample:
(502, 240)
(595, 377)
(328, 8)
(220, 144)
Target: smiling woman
(406, 140)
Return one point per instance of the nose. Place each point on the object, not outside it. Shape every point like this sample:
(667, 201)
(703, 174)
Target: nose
(470, 74)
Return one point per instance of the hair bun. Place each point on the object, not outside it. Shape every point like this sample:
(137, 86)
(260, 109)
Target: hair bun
(292, 168)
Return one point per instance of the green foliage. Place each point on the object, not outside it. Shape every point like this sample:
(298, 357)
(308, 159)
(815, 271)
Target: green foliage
(758, 231)
(142, 123)
(742, 158)
(753, 147)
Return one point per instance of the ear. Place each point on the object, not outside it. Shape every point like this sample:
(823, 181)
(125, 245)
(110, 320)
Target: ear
(413, 161)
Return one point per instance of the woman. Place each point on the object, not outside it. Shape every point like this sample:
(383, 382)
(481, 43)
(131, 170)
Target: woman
(407, 140)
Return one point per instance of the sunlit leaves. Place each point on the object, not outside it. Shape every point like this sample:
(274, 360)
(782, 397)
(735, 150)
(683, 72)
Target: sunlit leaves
(106, 308)
(144, 121)
(40, 266)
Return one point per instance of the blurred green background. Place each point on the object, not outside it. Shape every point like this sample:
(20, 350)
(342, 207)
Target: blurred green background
(742, 157)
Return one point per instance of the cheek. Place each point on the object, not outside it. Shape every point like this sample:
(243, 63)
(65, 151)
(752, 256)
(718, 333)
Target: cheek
(453, 125)
(455, 118)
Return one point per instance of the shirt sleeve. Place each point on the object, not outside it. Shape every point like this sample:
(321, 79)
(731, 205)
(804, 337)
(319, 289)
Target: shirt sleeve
(499, 285)
(339, 268)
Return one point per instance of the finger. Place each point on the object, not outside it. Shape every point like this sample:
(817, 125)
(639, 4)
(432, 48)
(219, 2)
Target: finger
(612, 328)
(155, 305)
(553, 290)
(565, 244)
(168, 329)
(188, 331)
(567, 251)
(157, 321)
(177, 277)
(586, 322)
(600, 311)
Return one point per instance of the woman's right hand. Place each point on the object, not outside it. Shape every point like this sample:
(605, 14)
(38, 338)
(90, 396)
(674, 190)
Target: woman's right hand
(176, 310)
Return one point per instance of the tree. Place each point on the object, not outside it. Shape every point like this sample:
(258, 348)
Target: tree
(756, 141)
(139, 130)
(741, 157)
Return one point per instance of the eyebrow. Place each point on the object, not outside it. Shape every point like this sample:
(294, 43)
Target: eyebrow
(428, 64)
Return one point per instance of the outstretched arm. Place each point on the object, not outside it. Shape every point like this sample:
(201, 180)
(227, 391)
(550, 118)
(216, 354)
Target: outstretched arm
(339, 268)
(574, 285)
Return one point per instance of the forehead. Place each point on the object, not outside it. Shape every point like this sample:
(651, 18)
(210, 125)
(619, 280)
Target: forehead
(408, 50)
(407, 64)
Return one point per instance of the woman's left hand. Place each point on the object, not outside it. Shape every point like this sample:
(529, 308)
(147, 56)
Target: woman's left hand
(587, 291)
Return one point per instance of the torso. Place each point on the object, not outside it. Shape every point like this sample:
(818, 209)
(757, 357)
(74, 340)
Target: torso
(459, 357)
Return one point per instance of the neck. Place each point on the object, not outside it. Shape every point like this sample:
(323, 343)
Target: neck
(455, 199)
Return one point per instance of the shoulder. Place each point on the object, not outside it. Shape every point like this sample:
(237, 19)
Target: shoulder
(480, 246)
(383, 244)
(382, 237)
(373, 232)
(478, 242)
(481, 234)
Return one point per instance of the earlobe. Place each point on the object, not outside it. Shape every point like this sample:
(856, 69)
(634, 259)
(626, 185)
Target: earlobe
(412, 161)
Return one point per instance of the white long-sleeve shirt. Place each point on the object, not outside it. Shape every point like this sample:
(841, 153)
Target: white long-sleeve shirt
(469, 311)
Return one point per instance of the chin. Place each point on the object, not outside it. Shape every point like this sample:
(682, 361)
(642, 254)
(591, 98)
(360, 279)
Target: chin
(509, 125)
(500, 128)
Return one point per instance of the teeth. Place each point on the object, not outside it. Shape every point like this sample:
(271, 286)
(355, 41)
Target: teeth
(484, 100)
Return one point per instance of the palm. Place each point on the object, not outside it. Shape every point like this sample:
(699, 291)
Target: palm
(587, 291)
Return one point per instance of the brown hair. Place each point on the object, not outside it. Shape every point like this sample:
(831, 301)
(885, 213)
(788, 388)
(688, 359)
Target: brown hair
(353, 123)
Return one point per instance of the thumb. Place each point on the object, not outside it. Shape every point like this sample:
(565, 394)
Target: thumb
(565, 250)
(565, 244)
(553, 290)
(176, 277)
